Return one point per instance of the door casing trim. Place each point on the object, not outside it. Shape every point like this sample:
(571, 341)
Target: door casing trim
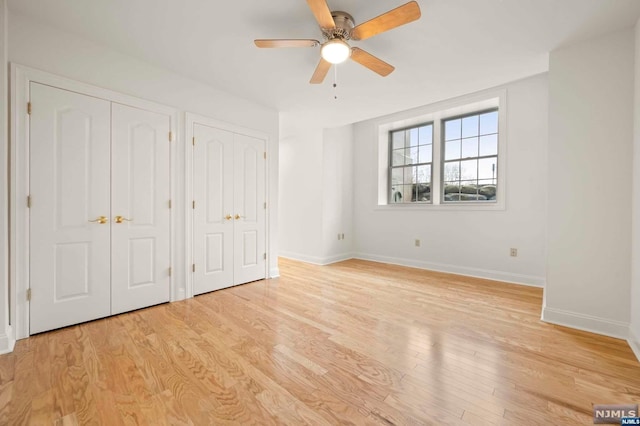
(21, 78)
(190, 120)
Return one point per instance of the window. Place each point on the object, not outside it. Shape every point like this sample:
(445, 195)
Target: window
(410, 169)
(470, 157)
(451, 156)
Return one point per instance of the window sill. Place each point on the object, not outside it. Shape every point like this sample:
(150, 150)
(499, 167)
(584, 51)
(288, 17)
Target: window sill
(441, 207)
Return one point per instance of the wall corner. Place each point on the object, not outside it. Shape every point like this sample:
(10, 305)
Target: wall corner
(634, 342)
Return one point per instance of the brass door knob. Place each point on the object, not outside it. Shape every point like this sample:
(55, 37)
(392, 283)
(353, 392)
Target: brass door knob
(101, 220)
(228, 217)
(120, 219)
(238, 217)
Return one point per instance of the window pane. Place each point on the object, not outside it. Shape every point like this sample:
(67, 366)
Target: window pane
(469, 147)
(423, 192)
(398, 139)
(412, 155)
(426, 135)
(451, 191)
(472, 197)
(424, 154)
(488, 145)
(397, 157)
(469, 169)
(424, 174)
(489, 123)
(452, 171)
(469, 188)
(397, 176)
(407, 193)
(452, 150)
(487, 168)
(470, 126)
(396, 194)
(413, 137)
(452, 129)
(488, 189)
(409, 175)
(451, 187)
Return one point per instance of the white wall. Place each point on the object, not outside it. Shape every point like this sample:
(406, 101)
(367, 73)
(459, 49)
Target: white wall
(469, 242)
(589, 217)
(337, 207)
(634, 335)
(49, 49)
(6, 340)
(315, 192)
(301, 196)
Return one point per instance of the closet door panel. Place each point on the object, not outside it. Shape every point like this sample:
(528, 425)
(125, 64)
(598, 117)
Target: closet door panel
(69, 186)
(249, 211)
(141, 217)
(213, 215)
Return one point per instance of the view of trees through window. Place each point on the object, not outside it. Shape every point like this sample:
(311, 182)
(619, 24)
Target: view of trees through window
(469, 164)
(471, 157)
(411, 161)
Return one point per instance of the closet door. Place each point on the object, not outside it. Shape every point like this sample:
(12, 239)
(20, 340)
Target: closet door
(141, 218)
(69, 216)
(213, 214)
(249, 209)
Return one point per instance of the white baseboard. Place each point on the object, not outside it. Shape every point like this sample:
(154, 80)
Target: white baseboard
(7, 341)
(314, 259)
(274, 272)
(607, 327)
(509, 277)
(634, 342)
(337, 258)
(181, 295)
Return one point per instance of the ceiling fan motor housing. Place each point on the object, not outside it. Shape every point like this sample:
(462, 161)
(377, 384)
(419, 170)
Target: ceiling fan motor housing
(344, 24)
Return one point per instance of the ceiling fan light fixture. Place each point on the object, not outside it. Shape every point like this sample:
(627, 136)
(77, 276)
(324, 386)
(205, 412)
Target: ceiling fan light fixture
(335, 51)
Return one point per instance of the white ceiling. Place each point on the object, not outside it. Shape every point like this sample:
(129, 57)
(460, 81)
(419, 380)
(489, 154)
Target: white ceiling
(457, 47)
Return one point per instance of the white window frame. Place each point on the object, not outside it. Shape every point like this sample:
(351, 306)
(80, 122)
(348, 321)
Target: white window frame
(444, 161)
(435, 113)
(391, 166)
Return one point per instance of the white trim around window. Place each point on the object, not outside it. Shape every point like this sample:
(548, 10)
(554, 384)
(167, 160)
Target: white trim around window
(435, 113)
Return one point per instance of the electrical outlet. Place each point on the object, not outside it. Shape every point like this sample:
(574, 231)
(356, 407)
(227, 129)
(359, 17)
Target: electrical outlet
(417, 243)
(513, 252)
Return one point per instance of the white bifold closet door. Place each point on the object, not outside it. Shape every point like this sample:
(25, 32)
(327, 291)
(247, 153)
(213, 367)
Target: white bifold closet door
(99, 229)
(70, 169)
(229, 209)
(141, 217)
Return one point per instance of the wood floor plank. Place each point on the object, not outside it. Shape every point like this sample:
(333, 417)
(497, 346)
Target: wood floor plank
(172, 412)
(355, 342)
(68, 420)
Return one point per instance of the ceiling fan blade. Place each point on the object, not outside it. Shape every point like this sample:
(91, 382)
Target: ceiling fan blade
(322, 13)
(286, 43)
(368, 60)
(321, 72)
(387, 21)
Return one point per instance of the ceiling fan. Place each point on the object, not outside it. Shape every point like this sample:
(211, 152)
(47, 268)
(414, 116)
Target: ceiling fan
(338, 27)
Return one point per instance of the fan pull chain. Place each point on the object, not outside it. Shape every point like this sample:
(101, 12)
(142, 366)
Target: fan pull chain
(335, 82)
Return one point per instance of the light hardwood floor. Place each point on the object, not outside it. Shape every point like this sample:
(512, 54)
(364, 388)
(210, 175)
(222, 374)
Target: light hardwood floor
(352, 343)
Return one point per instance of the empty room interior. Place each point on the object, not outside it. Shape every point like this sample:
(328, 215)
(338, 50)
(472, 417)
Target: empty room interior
(319, 212)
